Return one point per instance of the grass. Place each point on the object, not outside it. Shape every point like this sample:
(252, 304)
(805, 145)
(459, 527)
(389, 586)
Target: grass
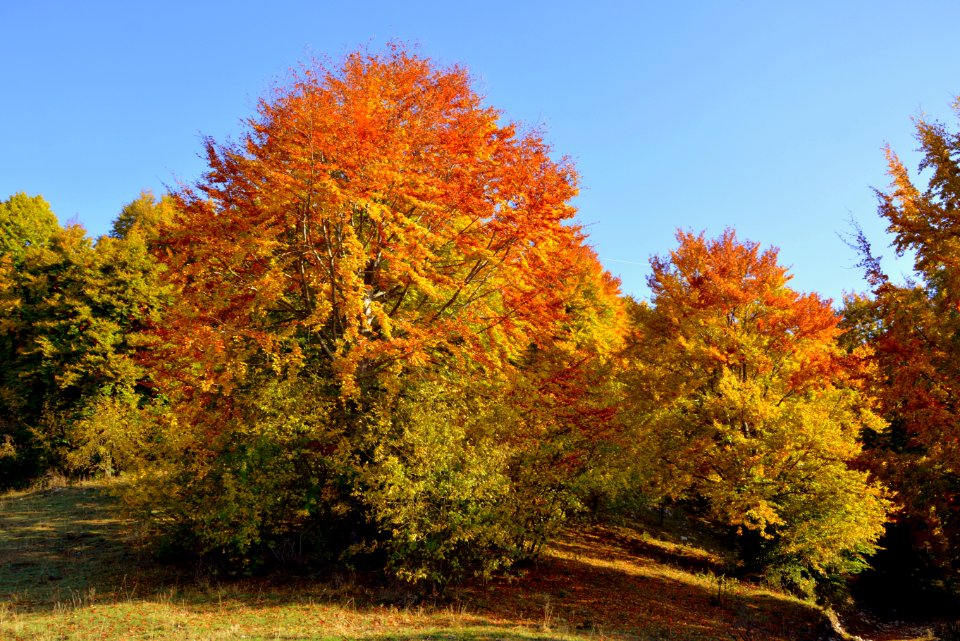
(71, 569)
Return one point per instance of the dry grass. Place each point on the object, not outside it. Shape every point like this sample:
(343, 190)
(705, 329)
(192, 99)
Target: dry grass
(69, 570)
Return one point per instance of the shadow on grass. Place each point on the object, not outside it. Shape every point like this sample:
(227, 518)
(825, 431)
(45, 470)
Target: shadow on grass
(601, 580)
(58, 542)
(64, 548)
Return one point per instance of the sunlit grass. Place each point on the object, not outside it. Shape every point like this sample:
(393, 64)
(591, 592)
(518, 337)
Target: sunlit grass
(226, 615)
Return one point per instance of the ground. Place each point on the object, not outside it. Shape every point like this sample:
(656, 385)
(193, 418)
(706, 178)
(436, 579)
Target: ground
(72, 569)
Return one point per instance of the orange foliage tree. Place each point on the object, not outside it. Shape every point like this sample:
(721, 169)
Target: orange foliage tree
(378, 235)
(380, 212)
(745, 405)
(913, 329)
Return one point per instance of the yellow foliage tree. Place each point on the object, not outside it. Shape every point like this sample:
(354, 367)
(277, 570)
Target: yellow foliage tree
(744, 404)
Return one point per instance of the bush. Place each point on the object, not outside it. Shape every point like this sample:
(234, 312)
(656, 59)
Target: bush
(438, 489)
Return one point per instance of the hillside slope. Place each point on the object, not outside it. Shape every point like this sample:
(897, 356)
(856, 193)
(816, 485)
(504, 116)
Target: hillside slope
(70, 570)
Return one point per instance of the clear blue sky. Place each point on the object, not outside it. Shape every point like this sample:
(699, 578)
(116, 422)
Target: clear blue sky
(765, 116)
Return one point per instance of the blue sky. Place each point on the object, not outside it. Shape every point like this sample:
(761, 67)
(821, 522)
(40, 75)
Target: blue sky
(769, 117)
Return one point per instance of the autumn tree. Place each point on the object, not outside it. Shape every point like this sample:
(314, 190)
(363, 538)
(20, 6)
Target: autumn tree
(913, 329)
(744, 404)
(377, 242)
(144, 216)
(25, 221)
(70, 313)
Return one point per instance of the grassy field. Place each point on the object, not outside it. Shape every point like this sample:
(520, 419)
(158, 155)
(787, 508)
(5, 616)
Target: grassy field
(70, 569)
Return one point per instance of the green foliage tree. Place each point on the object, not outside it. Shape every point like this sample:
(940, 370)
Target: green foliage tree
(25, 222)
(743, 402)
(70, 313)
(144, 216)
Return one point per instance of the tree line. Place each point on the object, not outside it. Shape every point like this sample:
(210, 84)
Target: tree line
(373, 334)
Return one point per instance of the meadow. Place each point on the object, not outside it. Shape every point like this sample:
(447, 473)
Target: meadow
(72, 569)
